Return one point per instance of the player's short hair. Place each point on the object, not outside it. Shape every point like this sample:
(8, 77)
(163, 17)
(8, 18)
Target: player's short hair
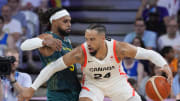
(98, 27)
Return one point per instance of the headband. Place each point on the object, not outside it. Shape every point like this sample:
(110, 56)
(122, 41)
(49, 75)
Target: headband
(58, 15)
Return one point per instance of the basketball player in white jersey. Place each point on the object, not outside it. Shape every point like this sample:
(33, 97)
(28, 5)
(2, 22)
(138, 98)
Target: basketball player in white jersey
(101, 66)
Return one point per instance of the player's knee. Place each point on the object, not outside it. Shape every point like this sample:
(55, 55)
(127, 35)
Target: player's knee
(84, 99)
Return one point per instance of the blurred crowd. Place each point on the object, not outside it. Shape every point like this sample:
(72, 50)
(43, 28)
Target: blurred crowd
(156, 27)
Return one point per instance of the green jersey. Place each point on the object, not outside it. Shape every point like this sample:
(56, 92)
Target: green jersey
(66, 79)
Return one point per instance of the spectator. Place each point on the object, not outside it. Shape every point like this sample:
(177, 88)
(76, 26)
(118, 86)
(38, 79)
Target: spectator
(2, 3)
(171, 5)
(10, 23)
(43, 6)
(12, 27)
(34, 3)
(11, 85)
(178, 21)
(171, 38)
(5, 39)
(134, 68)
(148, 37)
(176, 83)
(168, 53)
(18, 15)
(156, 17)
(32, 20)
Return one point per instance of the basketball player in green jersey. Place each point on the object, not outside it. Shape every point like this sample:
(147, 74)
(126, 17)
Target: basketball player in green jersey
(63, 85)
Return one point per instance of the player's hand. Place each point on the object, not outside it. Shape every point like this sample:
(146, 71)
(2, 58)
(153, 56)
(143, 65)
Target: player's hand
(26, 94)
(52, 43)
(168, 72)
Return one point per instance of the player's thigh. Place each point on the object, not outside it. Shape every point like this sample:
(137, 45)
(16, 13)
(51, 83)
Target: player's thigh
(91, 93)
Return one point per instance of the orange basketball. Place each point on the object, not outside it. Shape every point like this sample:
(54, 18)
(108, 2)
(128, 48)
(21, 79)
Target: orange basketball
(158, 88)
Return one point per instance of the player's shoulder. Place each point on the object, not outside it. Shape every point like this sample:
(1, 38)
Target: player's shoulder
(121, 43)
(45, 35)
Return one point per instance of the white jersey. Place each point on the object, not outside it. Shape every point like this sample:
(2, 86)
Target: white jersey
(106, 73)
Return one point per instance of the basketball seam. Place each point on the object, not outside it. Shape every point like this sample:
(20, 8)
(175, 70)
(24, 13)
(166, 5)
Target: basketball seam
(154, 86)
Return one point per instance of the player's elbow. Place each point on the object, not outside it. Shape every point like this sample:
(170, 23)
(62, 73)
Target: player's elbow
(24, 46)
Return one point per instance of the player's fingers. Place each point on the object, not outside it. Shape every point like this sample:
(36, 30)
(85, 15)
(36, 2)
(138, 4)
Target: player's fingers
(168, 74)
(59, 45)
(170, 79)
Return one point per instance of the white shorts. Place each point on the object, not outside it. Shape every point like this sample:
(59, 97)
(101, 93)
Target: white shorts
(115, 93)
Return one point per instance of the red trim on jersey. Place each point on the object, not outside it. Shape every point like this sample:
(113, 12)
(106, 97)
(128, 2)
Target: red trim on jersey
(83, 79)
(122, 73)
(133, 92)
(86, 88)
(85, 56)
(114, 51)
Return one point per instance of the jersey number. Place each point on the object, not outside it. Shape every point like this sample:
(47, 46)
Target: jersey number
(100, 76)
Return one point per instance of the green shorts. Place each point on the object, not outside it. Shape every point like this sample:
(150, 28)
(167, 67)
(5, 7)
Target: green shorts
(63, 95)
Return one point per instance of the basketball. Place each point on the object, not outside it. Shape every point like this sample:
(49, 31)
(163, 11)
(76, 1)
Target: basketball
(157, 88)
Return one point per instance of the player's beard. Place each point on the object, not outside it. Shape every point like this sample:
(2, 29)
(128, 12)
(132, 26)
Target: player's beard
(63, 32)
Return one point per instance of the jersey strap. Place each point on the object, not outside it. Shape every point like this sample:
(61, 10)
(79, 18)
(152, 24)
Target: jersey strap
(114, 51)
(85, 56)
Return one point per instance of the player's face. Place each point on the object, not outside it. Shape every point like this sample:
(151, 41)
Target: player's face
(94, 41)
(64, 25)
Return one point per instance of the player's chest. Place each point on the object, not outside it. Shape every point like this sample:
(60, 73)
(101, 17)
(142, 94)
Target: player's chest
(100, 69)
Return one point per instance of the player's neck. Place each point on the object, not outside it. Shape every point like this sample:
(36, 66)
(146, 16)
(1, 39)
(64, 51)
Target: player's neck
(102, 52)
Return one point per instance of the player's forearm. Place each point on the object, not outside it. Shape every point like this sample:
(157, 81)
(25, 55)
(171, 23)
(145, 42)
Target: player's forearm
(48, 71)
(151, 55)
(31, 44)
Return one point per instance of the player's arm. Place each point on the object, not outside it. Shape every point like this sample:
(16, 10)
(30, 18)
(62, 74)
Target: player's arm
(41, 42)
(127, 50)
(75, 56)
